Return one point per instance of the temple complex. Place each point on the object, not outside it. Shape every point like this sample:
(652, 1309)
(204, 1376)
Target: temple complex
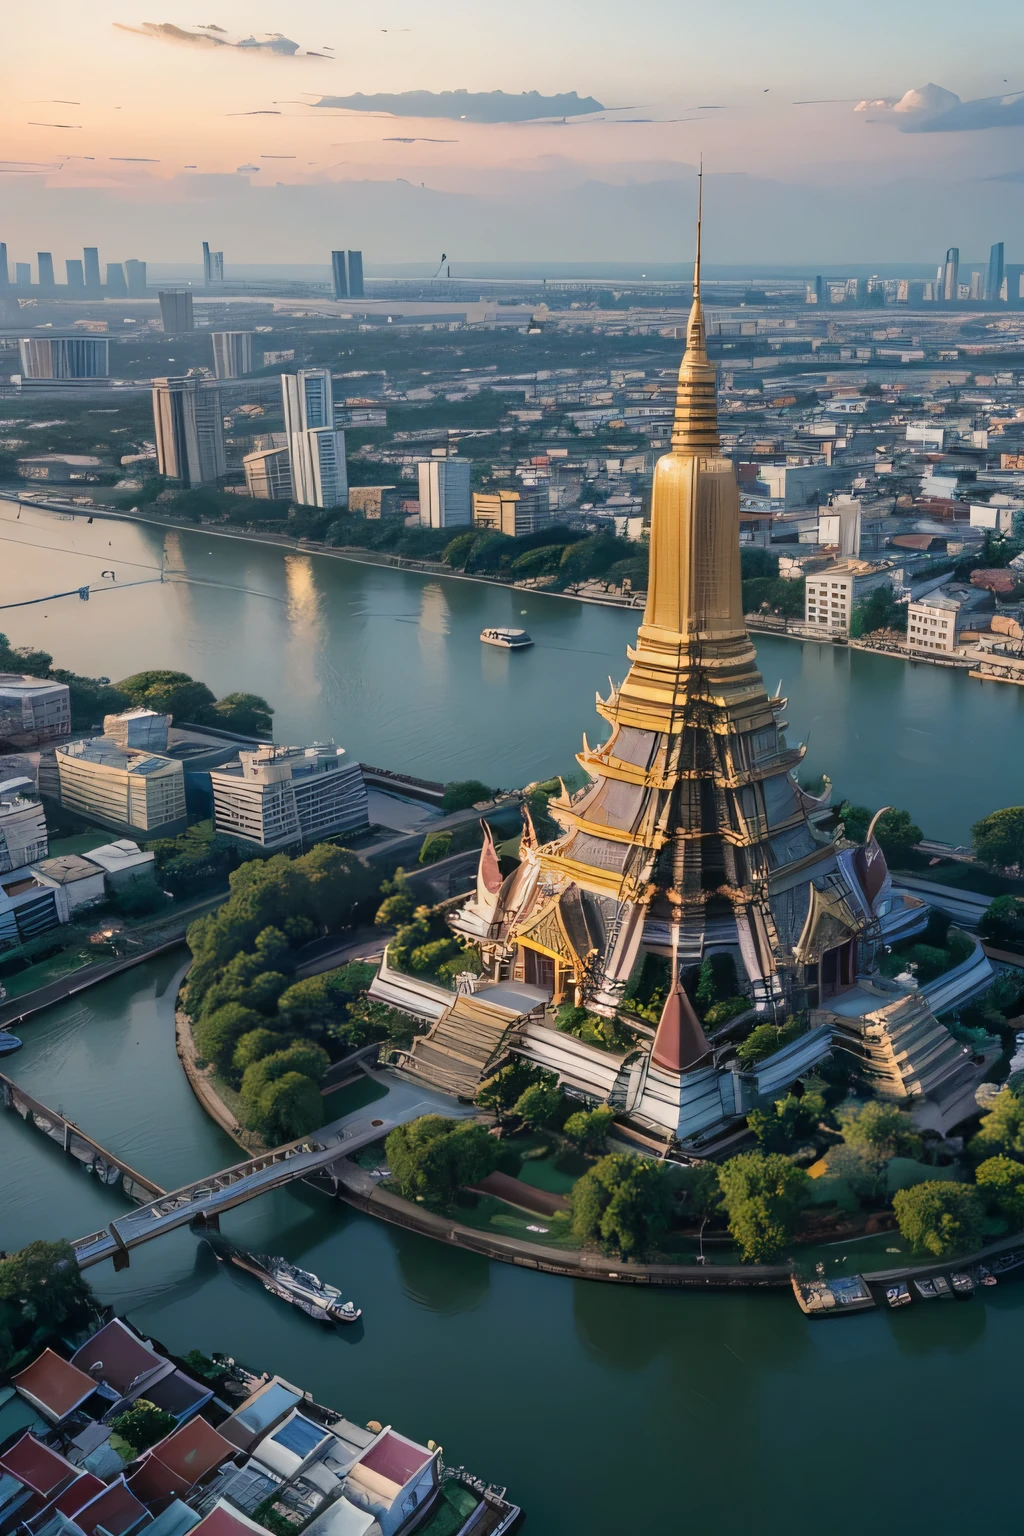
(692, 837)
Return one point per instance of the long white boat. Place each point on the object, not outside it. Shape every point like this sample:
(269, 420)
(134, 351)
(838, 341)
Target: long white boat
(507, 639)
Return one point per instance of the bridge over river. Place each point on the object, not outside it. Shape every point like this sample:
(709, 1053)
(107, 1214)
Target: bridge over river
(205, 1200)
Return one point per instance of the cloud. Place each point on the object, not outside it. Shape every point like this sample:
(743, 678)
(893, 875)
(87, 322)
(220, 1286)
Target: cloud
(932, 109)
(470, 106)
(211, 36)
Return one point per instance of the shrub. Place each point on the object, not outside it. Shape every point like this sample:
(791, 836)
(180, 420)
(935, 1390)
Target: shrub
(589, 1128)
(143, 1424)
(765, 1039)
(763, 1195)
(502, 1091)
(1001, 1179)
(461, 794)
(939, 1217)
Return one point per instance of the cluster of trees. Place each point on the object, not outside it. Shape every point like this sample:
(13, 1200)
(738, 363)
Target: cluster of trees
(764, 590)
(527, 1096)
(895, 833)
(558, 552)
(999, 839)
(937, 950)
(423, 944)
(43, 1296)
(198, 858)
(713, 989)
(1003, 923)
(142, 1425)
(879, 610)
(268, 1034)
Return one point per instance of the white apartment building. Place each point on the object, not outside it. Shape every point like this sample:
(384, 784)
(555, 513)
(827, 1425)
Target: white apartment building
(268, 474)
(319, 471)
(232, 353)
(830, 595)
(23, 837)
(933, 624)
(188, 420)
(278, 796)
(127, 790)
(445, 497)
(33, 710)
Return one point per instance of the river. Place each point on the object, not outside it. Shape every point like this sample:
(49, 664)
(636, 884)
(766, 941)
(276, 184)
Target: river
(389, 664)
(605, 1410)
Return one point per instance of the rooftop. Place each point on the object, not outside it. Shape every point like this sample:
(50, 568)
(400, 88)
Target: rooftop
(53, 1385)
(109, 755)
(35, 1465)
(20, 682)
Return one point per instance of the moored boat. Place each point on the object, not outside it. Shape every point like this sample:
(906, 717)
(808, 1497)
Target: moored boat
(898, 1295)
(299, 1287)
(962, 1283)
(926, 1289)
(507, 639)
(8, 1043)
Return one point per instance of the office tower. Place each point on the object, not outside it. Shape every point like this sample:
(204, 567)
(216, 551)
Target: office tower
(977, 287)
(135, 274)
(65, 357)
(513, 512)
(355, 274)
(213, 265)
(319, 472)
(268, 474)
(445, 500)
(820, 292)
(232, 354)
(5, 277)
(189, 423)
(339, 274)
(117, 288)
(23, 274)
(950, 274)
(44, 266)
(307, 400)
(91, 261)
(276, 796)
(176, 310)
(996, 273)
(76, 277)
(1013, 283)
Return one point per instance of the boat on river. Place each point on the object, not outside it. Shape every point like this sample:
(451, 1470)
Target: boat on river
(8, 1043)
(300, 1287)
(898, 1295)
(507, 639)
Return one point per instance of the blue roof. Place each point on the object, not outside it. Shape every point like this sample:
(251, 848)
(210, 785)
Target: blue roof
(299, 1435)
(270, 1405)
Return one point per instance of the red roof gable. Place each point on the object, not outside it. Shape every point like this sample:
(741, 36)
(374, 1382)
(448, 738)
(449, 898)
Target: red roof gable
(55, 1385)
(116, 1509)
(116, 1356)
(395, 1458)
(78, 1495)
(35, 1465)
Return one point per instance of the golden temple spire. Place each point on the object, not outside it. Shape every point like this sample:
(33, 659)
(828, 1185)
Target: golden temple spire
(695, 429)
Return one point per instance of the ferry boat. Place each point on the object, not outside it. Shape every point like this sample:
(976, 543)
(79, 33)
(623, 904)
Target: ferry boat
(8, 1043)
(299, 1287)
(507, 639)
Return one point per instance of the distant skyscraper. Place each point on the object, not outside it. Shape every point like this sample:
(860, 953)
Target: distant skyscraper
(232, 353)
(5, 276)
(176, 310)
(977, 287)
(1012, 279)
(65, 357)
(996, 273)
(117, 288)
(445, 499)
(319, 473)
(308, 404)
(950, 274)
(213, 265)
(23, 274)
(135, 274)
(189, 422)
(355, 274)
(91, 261)
(339, 274)
(44, 266)
(76, 277)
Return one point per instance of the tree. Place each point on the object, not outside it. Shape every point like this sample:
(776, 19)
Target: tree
(765, 1039)
(436, 845)
(367, 1020)
(43, 1294)
(1003, 923)
(698, 1190)
(624, 1202)
(303, 1056)
(432, 1158)
(896, 835)
(879, 610)
(143, 1424)
(940, 1217)
(170, 693)
(247, 714)
(218, 1032)
(256, 1044)
(399, 903)
(461, 794)
(286, 1108)
(542, 1106)
(502, 1091)
(789, 1122)
(338, 884)
(879, 1130)
(589, 558)
(999, 838)
(763, 1195)
(1002, 1129)
(1001, 1179)
(318, 1002)
(589, 1128)
(716, 980)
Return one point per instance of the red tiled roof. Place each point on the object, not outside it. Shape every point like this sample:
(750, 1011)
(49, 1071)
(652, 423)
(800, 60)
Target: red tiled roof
(81, 1491)
(395, 1458)
(123, 1357)
(116, 1509)
(194, 1449)
(680, 1042)
(54, 1384)
(221, 1522)
(35, 1465)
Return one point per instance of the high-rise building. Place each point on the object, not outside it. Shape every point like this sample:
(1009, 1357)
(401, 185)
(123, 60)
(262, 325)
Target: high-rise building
(189, 422)
(91, 262)
(65, 357)
(355, 274)
(176, 309)
(977, 286)
(512, 512)
(44, 266)
(232, 353)
(319, 471)
(996, 274)
(135, 275)
(213, 265)
(950, 275)
(1013, 281)
(268, 474)
(307, 399)
(445, 499)
(117, 288)
(5, 276)
(23, 274)
(339, 274)
(76, 277)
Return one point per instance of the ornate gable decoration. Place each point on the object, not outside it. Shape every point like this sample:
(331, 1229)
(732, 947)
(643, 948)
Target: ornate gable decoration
(830, 922)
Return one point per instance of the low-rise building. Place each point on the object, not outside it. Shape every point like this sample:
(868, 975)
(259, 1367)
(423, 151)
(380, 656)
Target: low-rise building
(278, 796)
(122, 862)
(33, 710)
(831, 594)
(82, 881)
(23, 837)
(122, 788)
(935, 621)
(142, 730)
(29, 906)
(268, 474)
(512, 512)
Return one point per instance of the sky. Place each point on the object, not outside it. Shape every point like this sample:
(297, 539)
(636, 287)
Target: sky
(879, 133)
